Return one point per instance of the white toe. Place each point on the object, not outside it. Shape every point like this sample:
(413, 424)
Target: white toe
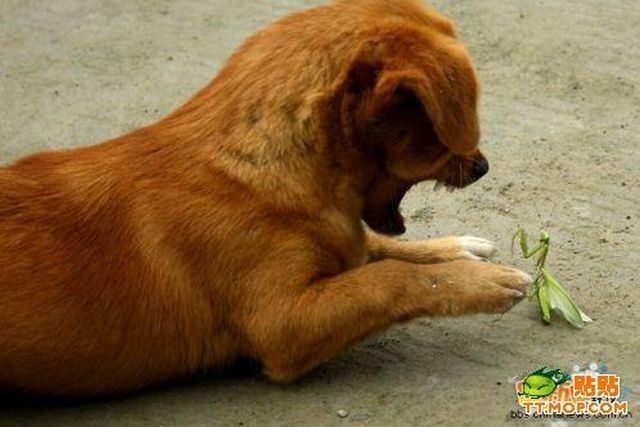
(477, 246)
(527, 278)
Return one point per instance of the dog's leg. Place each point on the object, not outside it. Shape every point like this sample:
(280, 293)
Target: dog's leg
(428, 251)
(292, 332)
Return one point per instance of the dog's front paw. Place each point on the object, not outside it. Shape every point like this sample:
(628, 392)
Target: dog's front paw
(431, 251)
(478, 287)
(475, 248)
(453, 248)
(497, 288)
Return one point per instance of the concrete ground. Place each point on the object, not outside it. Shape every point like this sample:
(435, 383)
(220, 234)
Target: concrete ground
(560, 114)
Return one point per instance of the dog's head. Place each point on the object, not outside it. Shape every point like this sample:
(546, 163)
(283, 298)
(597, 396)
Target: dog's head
(410, 103)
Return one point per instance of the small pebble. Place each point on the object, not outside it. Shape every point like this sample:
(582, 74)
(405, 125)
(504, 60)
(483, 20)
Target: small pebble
(343, 413)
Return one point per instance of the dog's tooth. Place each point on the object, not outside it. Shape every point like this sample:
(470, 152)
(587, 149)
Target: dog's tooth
(438, 186)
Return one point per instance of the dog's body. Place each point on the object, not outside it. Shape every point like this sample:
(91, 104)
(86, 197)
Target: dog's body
(233, 227)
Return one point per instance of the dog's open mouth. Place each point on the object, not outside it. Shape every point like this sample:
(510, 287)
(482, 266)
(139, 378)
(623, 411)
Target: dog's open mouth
(386, 219)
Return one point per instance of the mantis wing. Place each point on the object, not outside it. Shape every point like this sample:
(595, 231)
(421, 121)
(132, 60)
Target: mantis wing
(560, 300)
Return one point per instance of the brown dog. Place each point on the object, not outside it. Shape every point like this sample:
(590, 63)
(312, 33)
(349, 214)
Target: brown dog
(233, 227)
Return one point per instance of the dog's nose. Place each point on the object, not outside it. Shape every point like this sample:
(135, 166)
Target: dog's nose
(480, 168)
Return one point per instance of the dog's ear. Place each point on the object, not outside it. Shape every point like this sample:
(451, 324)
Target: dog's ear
(444, 85)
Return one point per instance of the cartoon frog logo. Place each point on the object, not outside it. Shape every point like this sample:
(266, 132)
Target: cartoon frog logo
(543, 382)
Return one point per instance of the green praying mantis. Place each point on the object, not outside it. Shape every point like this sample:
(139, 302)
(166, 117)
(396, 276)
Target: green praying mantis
(551, 295)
